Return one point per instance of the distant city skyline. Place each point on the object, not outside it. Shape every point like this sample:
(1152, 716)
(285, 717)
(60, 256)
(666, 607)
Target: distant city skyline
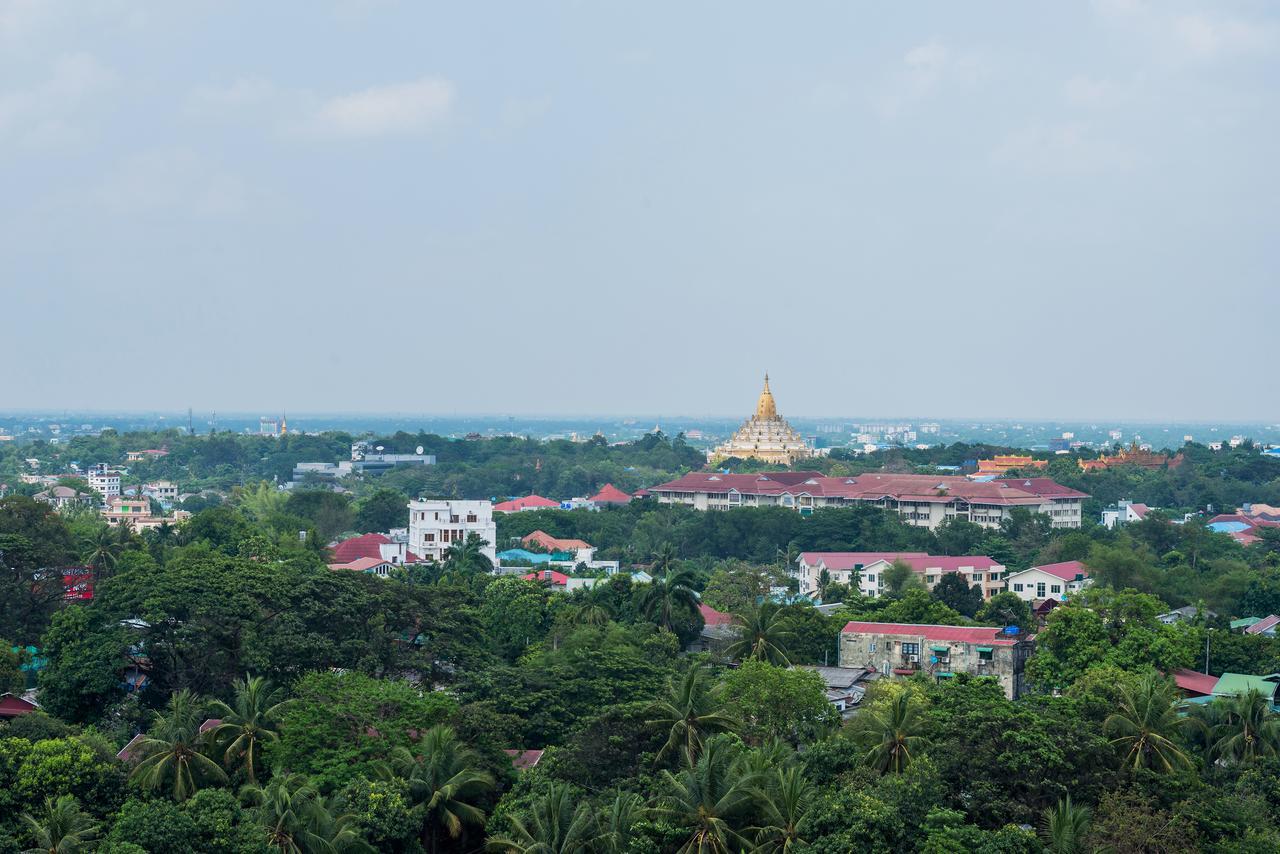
(1034, 212)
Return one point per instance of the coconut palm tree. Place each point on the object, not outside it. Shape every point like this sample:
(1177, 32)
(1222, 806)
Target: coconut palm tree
(444, 779)
(616, 823)
(468, 556)
(891, 734)
(669, 593)
(709, 797)
(296, 820)
(102, 552)
(691, 712)
(556, 826)
(249, 724)
(171, 753)
(783, 801)
(824, 581)
(1248, 729)
(61, 827)
(1064, 828)
(1145, 723)
(763, 635)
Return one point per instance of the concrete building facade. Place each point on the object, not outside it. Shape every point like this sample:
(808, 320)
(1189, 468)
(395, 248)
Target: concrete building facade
(437, 524)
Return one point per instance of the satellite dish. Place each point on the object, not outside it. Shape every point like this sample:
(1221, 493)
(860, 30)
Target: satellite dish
(418, 450)
(379, 449)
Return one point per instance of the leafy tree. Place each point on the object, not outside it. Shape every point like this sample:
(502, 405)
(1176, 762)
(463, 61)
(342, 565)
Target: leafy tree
(468, 556)
(296, 820)
(1006, 609)
(670, 594)
(691, 713)
(61, 827)
(171, 753)
(764, 634)
(514, 613)
(709, 798)
(899, 577)
(1248, 729)
(382, 510)
(11, 676)
(953, 592)
(1145, 725)
(777, 703)
(445, 781)
(248, 724)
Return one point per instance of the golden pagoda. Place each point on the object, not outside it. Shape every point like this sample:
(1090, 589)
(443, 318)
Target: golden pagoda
(765, 436)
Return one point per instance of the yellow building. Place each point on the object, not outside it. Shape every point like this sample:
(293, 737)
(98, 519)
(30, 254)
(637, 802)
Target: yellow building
(765, 436)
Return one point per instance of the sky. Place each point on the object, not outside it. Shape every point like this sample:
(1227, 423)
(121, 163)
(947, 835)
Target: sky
(1039, 210)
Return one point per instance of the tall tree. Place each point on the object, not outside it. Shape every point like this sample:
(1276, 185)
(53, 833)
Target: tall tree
(669, 593)
(763, 635)
(468, 556)
(558, 824)
(296, 820)
(251, 722)
(172, 756)
(1248, 730)
(1145, 725)
(446, 780)
(709, 797)
(60, 827)
(892, 734)
(784, 802)
(1065, 828)
(691, 712)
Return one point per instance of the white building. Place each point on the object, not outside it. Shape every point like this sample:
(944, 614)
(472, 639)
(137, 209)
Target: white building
(106, 483)
(1054, 581)
(164, 491)
(866, 570)
(1123, 512)
(436, 524)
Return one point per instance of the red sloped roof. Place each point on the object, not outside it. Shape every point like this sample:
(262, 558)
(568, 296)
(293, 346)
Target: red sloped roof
(522, 759)
(610, 494)
(712, 617)
(1263, 625)
(1067, 570)
(360, 564)
(526, 502)
(355, 548)
(554, 544)
(848, 560)
(948, 563)
(548, 575)
(1194, 682)
(964, 634)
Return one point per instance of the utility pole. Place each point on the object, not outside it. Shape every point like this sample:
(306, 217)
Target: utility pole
(1206, 652)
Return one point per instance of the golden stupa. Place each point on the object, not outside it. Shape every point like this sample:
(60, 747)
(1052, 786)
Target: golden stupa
(765, 436)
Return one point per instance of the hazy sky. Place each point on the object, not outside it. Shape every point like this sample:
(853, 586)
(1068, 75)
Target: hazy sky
(957, 209)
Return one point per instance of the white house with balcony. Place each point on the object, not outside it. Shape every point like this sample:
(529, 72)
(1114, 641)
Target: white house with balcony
(435, 524)
(1055, 581)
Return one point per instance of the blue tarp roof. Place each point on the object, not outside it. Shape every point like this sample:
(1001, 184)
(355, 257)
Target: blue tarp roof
(1228, 527)
(522, 554)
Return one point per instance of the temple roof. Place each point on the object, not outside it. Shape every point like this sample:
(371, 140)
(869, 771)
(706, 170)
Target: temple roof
(766, 409)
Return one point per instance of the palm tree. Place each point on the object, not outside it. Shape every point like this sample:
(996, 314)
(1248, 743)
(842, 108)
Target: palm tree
(249, 724)
(764, 635)
(617, 822)
(468, 555)
(102, 552)
(61, 827)
(296, 820)
(1248, 729)
(892, 734)
(784, 802)
(708, 797)
(1144, 724)
(691, 712)
(1065, 827)
(556, 826)
(824, 581)
(172, 758)
(670, 591)
(445, 781)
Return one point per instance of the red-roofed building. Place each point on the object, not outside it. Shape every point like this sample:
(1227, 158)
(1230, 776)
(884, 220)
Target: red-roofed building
(372, 565)
(1193, 683)
(548, 576)
(923, 500)
(528, 502)
(1266, 627)
(522, 759)
(712, 617)
(372, 546)
(609, 494)
(582, 551)
(1051, 581)
(14, 705)
(907, 649)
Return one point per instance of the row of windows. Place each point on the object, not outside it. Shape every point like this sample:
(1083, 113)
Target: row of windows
(1040, 588)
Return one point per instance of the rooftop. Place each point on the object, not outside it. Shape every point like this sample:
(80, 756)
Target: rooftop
(963, 634)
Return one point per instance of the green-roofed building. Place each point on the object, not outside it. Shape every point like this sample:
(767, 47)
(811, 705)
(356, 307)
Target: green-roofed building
(1244, 622)
(1230, 684)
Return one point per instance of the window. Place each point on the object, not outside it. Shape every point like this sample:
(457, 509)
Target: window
(910, 648)
(977, 576)
(984, 655)
(1040, 590)
(1057, 588)
(871, 579)
(1017, 587)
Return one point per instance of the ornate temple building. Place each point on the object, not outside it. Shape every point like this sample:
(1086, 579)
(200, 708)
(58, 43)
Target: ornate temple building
(1132, 456)
(765, 436)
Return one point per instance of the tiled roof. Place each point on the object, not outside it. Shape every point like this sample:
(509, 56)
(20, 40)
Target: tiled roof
(360, 564)
(963, 634)
(610, 494)
(548, 575)
(365, 545)
(712, 617)
(1193, 681)
(527, 502)
(842, 561)
(950, 563)
(1067, 570)
(554, 544)
(522, 759)
(1263, 625)
(1140, 510)
(904, 487)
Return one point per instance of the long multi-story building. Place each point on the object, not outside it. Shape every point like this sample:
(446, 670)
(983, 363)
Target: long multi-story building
(437, 524)
(901, 649)
(866, 570)
(925, 500)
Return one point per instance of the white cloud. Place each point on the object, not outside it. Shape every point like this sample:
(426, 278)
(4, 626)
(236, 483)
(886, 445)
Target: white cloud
(172, 181)
(1197, 35)
(415, 107)
(52, 111)
(1066, 148)
(926, 68)
(239, 95)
